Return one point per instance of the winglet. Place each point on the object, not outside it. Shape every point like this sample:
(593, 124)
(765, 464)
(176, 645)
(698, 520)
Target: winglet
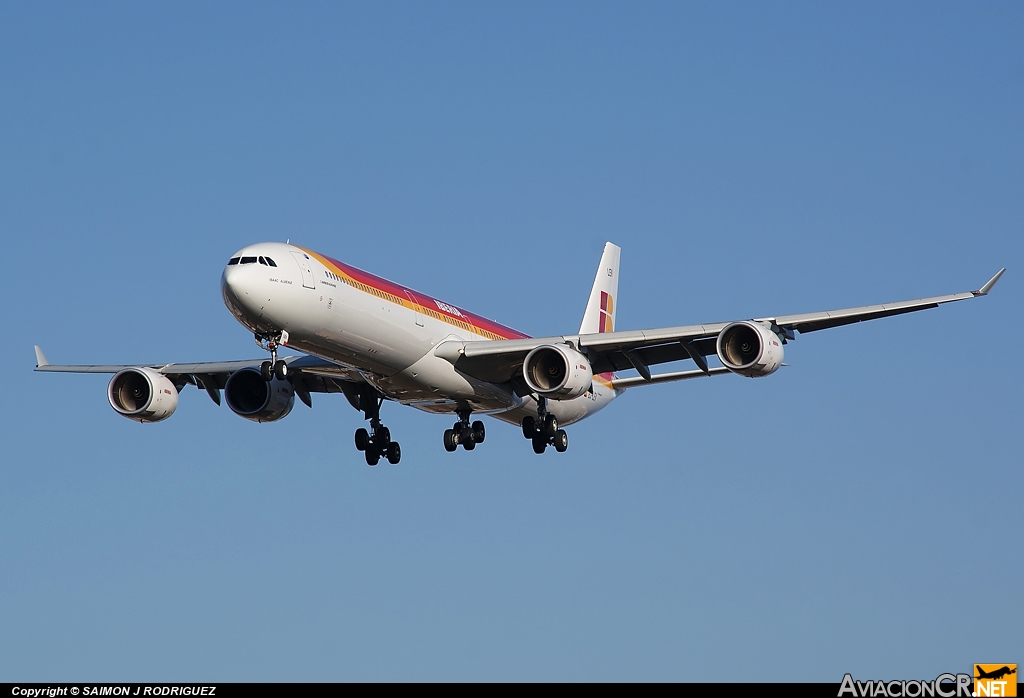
(983, 291)
(41, 358)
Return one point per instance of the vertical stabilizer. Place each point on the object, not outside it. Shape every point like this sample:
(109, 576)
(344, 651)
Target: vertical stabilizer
(600, 314)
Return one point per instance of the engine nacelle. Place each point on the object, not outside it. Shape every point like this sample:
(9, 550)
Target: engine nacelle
(142, 394)
(249, 396)
(749, 349)
(558, 372)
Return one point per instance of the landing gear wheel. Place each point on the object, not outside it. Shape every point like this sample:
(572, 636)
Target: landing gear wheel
(561, 441)
(362, 439)
(281, 370)
(469, 444)
(375, 443)
(479, 432)
(550, 426)
(267, 371)
(394, 453)
(539, 444)
(529, 427)
(450, 444)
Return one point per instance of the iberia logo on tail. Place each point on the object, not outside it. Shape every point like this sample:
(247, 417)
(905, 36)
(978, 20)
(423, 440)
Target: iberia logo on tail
(606, 313)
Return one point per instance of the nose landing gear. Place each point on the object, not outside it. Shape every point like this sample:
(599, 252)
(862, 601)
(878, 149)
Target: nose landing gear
(275, 368)
(463, 433)
(544, 430)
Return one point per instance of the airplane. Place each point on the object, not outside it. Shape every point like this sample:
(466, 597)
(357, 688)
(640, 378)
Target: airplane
(997, 674)
(373, 340)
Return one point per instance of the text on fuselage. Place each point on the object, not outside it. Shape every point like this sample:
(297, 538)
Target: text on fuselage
(450, 309)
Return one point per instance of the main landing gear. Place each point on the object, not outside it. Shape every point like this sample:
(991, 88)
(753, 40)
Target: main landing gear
(275, 368)
(544, 430)
(376, 443)
(464, 433)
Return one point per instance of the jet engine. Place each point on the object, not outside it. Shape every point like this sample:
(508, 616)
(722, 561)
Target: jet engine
(557, 371)
(249, 396)
(142, 394)
(749, 349)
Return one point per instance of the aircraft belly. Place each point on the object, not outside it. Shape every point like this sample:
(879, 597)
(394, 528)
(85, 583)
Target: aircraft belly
(566, 411)
(433, 384)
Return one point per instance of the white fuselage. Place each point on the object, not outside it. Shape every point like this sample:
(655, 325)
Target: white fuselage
(387, 332)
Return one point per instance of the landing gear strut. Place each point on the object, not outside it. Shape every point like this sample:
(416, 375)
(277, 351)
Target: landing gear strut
(544, 430)
(464, 433)
(274, 368)
(377, 442)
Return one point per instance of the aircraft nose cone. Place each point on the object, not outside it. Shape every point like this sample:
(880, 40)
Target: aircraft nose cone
(238, 289)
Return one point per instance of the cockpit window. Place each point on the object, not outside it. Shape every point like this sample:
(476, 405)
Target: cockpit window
(248, 260)
(233, 260)
(270, 261)
(263, 261)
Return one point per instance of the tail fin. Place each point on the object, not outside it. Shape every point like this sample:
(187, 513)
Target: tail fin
(600, 314)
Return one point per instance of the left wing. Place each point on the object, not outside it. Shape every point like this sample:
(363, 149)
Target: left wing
(500, 360)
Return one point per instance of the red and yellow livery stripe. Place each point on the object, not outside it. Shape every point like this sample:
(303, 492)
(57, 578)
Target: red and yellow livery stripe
(414, 300)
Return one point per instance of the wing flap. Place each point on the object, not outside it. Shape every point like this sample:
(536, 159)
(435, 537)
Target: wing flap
(668, 377)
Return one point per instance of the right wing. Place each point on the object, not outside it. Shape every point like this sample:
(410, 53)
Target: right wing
(309, 374)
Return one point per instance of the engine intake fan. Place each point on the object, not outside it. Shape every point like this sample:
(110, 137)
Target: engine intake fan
(749, 349)
(249, 396)
(557, 371)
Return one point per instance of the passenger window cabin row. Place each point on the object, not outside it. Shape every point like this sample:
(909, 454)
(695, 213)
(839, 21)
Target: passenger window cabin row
(265, 261)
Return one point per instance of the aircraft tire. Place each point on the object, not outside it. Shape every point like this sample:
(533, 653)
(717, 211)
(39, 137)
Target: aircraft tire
(450, 444)
(383, 437)
(281, 370)
(372, 457)
(394, 453)
(539, 444)
(469, 444)
(267, 371)
(362, 439)
(479, 432)
(529, 427)
(561, 441)
(550, 426)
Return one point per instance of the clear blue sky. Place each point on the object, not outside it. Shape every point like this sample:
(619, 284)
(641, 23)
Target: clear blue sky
(858, 511)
